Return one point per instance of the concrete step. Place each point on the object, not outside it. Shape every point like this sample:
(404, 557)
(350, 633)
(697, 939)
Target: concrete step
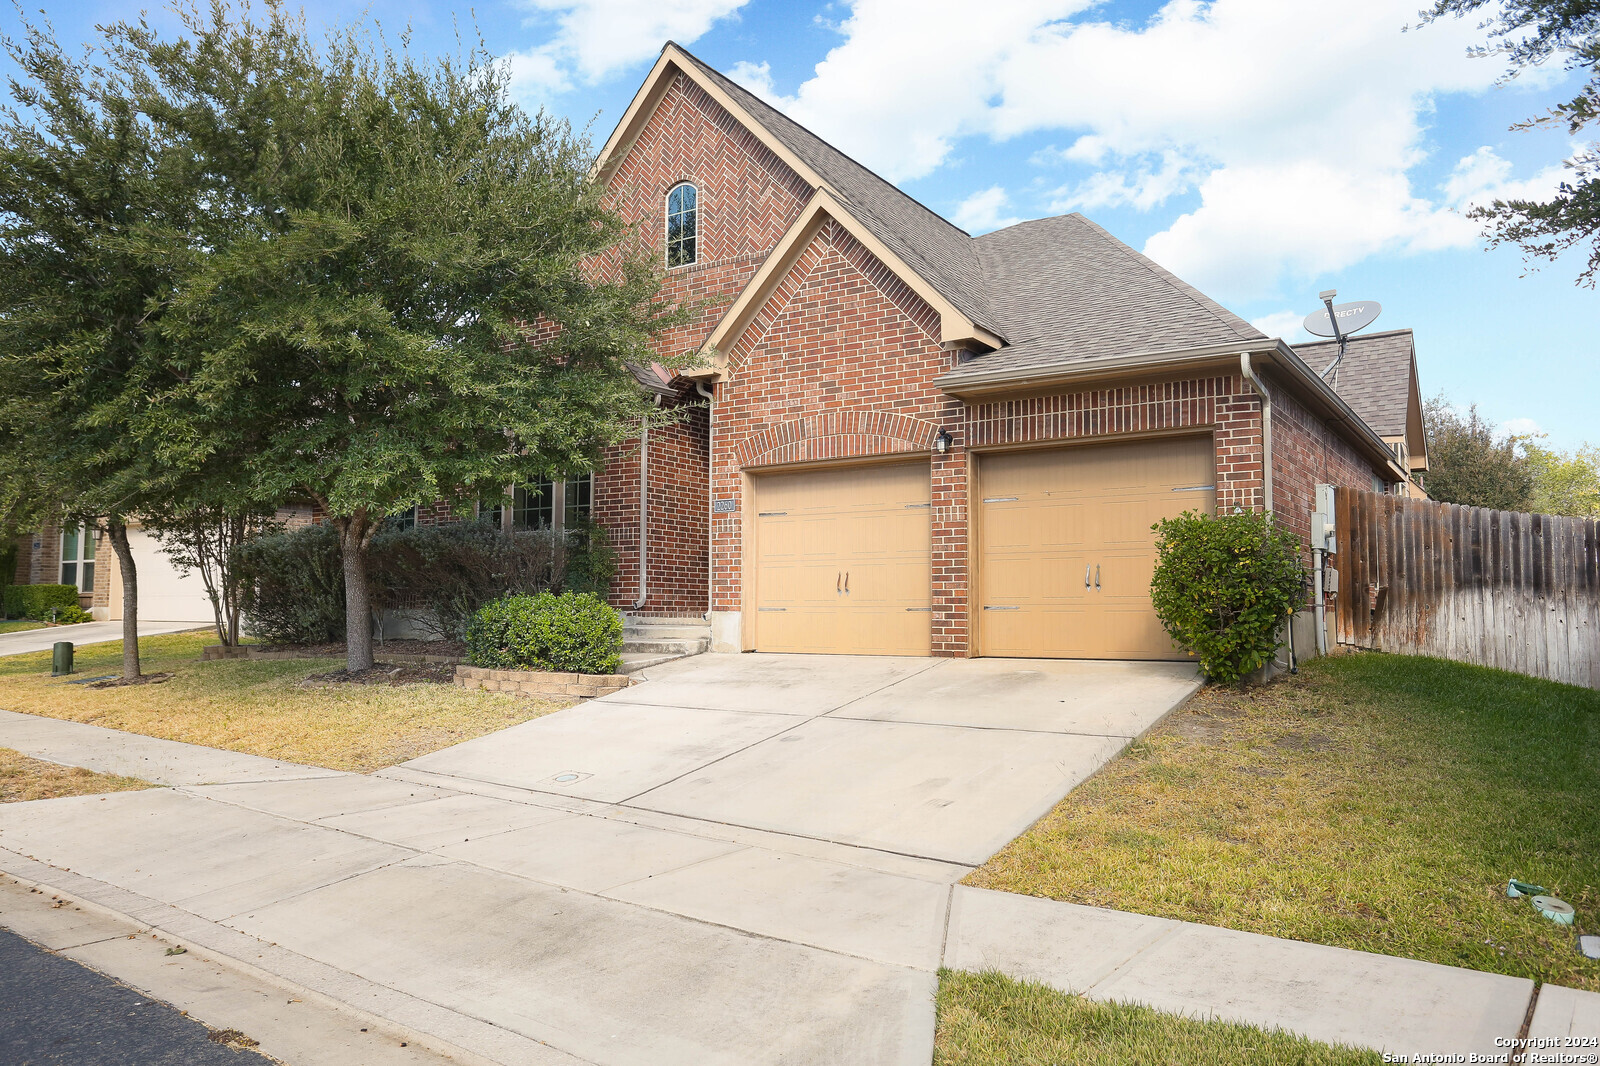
(666, 647)
(671, 631)
(634, 661)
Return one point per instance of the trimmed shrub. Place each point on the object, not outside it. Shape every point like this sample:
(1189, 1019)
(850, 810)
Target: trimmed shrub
(293, 582)
(573, 632)
(293, 586)
(449, 571)
(8, 570)
(45, 603)
(1223, 586)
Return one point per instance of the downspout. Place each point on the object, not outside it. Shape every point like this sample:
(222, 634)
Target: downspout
(1266, 427)
(711, 518)
(644, 508)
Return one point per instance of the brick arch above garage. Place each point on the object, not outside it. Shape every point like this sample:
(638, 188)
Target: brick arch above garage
(835, 435)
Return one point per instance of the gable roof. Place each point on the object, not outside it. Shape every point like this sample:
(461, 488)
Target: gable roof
(1376, 377)
(930, 244)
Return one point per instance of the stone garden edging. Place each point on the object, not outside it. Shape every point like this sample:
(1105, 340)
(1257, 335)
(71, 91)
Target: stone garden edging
(540, 682)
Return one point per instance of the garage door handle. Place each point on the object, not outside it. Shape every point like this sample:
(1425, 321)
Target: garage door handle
(847, 582)
(838, 582)
(1086, 575)
(1097, 577)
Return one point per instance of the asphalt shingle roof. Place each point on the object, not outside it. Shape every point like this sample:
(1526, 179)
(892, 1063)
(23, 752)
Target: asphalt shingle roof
(1067, 291)
(1374, 379)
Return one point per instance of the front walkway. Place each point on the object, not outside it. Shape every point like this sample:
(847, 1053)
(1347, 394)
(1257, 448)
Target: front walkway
(85, 633)
(747, 859)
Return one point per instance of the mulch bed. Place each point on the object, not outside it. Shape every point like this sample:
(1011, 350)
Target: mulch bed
(388, 647)
(142, 679)
(388, 674)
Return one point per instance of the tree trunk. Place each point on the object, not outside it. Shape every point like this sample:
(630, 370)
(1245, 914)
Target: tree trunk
(355, 533)
(117, 530)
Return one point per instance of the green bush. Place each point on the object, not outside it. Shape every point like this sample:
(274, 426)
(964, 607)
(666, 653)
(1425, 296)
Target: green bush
(293, 586)
(449, 571)
(571, 632)
(1223, 586)
(8, 570)
(45, 603)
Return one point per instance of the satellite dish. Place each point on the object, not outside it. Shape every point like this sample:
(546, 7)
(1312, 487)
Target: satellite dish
(1351, 317)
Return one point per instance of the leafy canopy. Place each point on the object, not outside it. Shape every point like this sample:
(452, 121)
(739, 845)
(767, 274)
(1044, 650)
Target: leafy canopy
(1529, 33)
(381, 235)
(1468, 465)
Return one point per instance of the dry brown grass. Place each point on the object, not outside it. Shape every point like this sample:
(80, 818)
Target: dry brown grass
(22, 778)
(261, 706)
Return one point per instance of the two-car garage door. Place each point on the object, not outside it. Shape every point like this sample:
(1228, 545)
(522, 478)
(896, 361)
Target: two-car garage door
(1061, 567)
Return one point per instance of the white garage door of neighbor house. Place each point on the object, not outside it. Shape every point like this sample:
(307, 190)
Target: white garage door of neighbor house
(165, 594)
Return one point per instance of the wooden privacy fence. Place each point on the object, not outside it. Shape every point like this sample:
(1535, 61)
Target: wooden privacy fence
(1499, 588)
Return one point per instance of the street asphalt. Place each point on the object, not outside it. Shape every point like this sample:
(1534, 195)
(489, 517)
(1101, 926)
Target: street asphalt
(56, 1011)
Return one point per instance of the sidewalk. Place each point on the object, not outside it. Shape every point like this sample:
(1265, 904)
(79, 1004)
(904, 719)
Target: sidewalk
(29, 640)
(520, 925)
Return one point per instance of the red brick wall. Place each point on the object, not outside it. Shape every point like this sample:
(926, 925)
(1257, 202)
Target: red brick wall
(679, 509)
(1306, 452)
(748, 198)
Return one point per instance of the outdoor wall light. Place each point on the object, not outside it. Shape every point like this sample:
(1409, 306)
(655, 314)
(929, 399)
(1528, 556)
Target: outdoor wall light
(941, 443)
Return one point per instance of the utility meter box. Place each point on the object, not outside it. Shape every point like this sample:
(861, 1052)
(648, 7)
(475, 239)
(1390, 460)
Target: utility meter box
(1322, 523)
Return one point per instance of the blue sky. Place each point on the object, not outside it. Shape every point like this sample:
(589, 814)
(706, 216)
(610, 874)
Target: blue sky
(1262, 150)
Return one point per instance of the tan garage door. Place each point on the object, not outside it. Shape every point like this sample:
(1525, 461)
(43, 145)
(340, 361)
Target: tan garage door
(841, 561)
(1066, 547)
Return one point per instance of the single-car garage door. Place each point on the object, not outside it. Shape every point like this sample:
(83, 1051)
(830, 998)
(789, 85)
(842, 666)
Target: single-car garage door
(1067, 552)
(841, 560)
(165, 593)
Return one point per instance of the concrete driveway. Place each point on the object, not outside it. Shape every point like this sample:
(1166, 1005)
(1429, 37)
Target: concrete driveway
(943, 759)
(746, 859)
(87, 633)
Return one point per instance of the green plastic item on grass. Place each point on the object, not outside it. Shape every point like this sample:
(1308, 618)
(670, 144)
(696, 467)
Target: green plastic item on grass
(1516, 888)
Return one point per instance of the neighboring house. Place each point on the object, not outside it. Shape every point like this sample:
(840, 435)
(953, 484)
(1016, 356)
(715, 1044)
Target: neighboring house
(921, 442)
(903, 439)
(83, 557)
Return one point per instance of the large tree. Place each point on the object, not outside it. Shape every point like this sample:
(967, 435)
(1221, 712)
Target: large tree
(411, 291)
(1470, 463)
(94, 228)
(1529, 33)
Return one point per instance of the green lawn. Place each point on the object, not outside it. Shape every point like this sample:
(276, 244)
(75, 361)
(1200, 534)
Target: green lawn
(262, 706)
(19, 625)
(1374, 802)
(989, 1020)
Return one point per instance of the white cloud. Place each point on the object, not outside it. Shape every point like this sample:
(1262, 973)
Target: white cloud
(980, 212)
(757, 77)
(600, 37)
(1518, 427)
(1484, 177)
(1297, 125)
(533, 77)
(1284, 324)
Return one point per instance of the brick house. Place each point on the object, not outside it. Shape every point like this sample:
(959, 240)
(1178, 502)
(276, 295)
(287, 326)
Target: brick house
(910, 440)
(903, 439)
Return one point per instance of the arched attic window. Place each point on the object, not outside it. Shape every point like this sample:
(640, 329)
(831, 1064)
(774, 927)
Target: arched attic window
(683, 224)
